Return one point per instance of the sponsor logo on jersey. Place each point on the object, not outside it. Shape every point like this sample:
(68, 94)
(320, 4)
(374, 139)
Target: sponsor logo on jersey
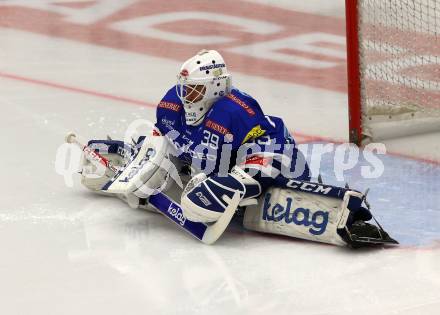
(316, 220)
(177, 214)
(254, 133)
(213, 66)
(257, 160)
(186, 148)
(216, 127)
(187, 139)
(168, 105)
(167, 123)
(238, 101)
(201, 155)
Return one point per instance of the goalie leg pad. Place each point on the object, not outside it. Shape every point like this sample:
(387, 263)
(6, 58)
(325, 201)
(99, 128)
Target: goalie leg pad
(300, 214)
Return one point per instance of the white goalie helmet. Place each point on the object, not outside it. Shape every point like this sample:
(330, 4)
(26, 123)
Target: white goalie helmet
(202, 80)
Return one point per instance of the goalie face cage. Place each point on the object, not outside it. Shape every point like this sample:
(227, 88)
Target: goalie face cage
(393, 56)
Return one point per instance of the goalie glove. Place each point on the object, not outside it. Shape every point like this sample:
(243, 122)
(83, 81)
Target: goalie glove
(206, 198)
(149, 170)
(141, 170)
(93, 174)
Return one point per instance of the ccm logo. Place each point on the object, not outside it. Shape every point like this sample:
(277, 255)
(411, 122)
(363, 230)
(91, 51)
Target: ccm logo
(311, 187)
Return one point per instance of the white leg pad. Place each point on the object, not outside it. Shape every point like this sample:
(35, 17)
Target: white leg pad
(299, 214)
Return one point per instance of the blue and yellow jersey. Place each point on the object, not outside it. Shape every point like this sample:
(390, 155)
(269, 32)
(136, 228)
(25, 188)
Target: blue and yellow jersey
(233, 120)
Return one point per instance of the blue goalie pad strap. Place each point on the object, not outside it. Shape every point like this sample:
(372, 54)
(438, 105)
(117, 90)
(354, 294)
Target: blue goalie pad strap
(252, 191)
(355, 204)
(317, 188)
(110, 147)
(227, 181)
(357, 210)
(225, 185)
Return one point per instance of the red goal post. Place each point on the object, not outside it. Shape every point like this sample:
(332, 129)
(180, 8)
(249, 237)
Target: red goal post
(393, 61)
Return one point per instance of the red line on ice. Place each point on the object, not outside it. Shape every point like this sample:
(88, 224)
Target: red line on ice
(76, 90)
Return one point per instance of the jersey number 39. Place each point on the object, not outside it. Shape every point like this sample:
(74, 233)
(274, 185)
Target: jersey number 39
(210, 139)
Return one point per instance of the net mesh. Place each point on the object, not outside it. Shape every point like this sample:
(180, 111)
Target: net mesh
(399, 61)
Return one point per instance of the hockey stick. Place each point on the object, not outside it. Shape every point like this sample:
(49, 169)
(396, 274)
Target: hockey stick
(208, 234)
(89, 153)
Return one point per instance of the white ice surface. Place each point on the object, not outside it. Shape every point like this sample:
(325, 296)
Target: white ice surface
(67, 251)
(150, 77)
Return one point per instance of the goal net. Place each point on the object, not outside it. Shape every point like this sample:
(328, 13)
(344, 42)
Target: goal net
(393, 68)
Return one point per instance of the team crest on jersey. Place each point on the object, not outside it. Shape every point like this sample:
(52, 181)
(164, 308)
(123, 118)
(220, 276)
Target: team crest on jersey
(254, 134)
(216, 127)
(238, 101)
(168, 105)
(169, 124)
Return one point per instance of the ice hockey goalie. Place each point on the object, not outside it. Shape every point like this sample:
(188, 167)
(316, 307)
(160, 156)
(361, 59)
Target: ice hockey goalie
(212, 141)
